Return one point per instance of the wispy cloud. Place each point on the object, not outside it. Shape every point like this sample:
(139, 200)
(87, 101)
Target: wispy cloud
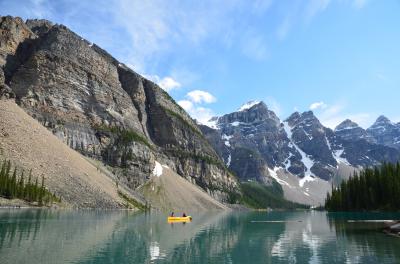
(260, 6)
(304, 12)
(274, 105)
(314, 7)
(332, 115)
(381, 76)
(284, 28)
(254, 46)
(158, 27)
(359, 3)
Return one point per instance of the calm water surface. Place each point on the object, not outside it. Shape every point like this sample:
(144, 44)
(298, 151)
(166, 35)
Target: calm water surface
(42, 236)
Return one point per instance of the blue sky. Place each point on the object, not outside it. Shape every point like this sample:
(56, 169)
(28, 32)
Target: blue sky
(340, 58)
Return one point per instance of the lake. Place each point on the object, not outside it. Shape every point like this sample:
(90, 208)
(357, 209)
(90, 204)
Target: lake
(89, 236)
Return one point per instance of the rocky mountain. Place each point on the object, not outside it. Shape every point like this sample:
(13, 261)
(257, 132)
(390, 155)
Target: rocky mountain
(101, 108)
(385, 132)
(351, 131)
(258, 146)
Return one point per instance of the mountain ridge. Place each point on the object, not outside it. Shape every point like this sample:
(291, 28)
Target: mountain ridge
(102, 109)
(257, 145)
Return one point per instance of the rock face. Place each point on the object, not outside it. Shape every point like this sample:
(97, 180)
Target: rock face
(256, 145)
(385, 132)
(350, 131)
(103, 109)
(254, 137)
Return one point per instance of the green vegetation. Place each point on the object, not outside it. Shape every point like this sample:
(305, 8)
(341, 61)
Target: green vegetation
(197, 157)
(127, 136)
(181, 119)
(260, 196)
(124, 135)
(133, 202)
(369, 190)
(13, 186)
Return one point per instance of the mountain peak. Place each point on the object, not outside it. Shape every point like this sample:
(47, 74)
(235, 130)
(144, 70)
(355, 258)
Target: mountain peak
(250, 105)
(308, 114)
(294, 116)
(383, 120)
(304, 117)
(346, 124)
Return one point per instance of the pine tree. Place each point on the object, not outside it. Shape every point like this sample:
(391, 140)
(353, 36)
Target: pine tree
(35, 190)
(13, 184)
(371, 189)
(12, 187)
(41, 192)
(21, 188)
(28, 188)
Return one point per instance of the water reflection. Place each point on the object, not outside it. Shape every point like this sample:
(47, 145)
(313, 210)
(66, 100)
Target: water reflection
(42, 236)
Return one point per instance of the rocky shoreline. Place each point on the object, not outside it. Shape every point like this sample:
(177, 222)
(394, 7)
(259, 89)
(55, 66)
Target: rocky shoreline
(392, 228)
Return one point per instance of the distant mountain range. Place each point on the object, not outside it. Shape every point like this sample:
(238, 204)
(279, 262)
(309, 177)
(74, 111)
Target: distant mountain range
(258, 146)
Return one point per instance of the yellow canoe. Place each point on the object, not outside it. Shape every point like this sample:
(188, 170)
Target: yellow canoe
(175, 219)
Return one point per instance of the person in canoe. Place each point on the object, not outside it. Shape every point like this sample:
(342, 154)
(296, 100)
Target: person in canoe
(184, 215)
(172, 214)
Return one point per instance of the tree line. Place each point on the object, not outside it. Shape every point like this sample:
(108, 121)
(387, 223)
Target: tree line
(14, 185)
(371, 189)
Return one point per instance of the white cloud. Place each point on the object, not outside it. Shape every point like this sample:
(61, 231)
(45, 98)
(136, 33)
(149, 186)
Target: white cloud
(193, 105)
(198, 96)
(318, 105)
(201, 114)
(167, 83)
(185, 104)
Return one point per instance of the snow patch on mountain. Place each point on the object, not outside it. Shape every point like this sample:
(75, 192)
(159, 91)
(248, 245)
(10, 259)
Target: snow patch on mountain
(158, 169)
(307, 178)
(273, 173)
(344, 128)
(288, 162)
(228, 162)
(227, 138)
(248, 105)
(235, 124)
(337, 154)
(305, 159)
(212, 123)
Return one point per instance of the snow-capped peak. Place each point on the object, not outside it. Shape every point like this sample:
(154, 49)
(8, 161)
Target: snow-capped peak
(248, 105)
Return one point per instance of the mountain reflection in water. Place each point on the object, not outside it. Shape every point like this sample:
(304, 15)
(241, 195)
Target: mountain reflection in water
(43, 236)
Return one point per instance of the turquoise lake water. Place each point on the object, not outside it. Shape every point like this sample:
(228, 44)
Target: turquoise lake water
(43, 236)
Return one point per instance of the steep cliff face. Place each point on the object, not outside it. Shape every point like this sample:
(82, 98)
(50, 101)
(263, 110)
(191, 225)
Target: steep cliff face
(103, 109)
